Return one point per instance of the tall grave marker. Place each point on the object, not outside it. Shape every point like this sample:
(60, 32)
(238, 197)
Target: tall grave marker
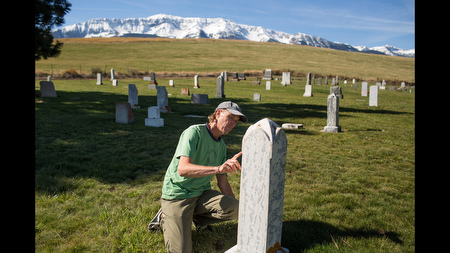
(264, 149)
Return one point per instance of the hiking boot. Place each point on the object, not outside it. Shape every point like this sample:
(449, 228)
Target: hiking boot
(155, 224)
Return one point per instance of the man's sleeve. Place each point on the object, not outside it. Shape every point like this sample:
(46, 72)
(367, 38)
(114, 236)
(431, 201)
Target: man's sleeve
(187, 145)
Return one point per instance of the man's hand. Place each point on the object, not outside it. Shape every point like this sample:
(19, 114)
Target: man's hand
(231, 165)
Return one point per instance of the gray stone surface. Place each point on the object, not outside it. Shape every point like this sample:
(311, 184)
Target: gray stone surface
(264, 149)
(332, 114)
(199, 99)
(373, 95)
(364, 89)
(47, 89)
(133, 97)
(162, 99)
(124, 114)
(267, 75)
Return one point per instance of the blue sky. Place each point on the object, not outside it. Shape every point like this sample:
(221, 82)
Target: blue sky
(357, 22)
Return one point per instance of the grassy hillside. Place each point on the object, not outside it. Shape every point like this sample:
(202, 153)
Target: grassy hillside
(98, 183)
(178, 57)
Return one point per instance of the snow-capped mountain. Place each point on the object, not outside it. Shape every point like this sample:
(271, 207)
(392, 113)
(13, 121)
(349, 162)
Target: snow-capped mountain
(163, 25)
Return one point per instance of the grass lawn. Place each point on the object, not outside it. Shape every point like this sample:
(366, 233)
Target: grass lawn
(98, 183)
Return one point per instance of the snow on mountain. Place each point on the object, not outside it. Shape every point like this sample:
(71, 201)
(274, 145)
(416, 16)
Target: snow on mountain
(162, 25)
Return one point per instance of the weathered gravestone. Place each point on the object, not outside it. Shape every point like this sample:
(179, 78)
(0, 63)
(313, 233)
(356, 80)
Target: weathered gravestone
(133, 96)
(257, 97)
(264, 149)
(49, 78)
(199, 99)
(267, 75)
(171, 83)
(268, 85)
(326, 80)
(153, 78)
(308, 91)
(196, 85)
(308, 79)
(286, 78)
(225, 75)
(373, 95)
(364, 89)
(332, 115)
(337, 90)
(185, 91)
(220, 89)
(241, 76)
(115, 82)
(154, 119)
(235, 76)
(99, 79)
(333, 81)
(320, 81)
(124, 114)
(162, 99)
(113, 76)
(47, 89)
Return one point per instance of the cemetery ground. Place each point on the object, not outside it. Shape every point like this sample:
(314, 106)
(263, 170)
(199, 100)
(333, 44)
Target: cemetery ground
(98, 183)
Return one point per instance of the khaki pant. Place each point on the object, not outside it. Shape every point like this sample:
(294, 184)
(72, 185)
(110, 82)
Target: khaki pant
(178, 214)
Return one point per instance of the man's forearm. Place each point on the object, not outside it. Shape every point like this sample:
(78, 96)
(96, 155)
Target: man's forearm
(224, 185)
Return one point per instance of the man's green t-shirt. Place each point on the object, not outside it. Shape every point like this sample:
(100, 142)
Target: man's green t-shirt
(198, 143)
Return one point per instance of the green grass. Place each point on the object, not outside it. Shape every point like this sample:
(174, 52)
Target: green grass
(98, 183)
(178, 57)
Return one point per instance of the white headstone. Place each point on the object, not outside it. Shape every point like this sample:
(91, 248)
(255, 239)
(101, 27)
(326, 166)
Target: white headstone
(332, 114)
(286, 78)
(196, 85)
(115, 82)
(257, 97)
(267, 75)
(267, 85)
(171, 83)
(99, 79)
(364, 89)
(49, 78)
(112, 74)
(264, 148)
(402, 85)
(308, 91)
(154, 119)
(373, 95)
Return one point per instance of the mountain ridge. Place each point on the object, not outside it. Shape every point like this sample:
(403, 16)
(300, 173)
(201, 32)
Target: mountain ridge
(163, 25)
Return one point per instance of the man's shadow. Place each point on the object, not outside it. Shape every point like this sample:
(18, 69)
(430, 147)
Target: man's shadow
(302, 235)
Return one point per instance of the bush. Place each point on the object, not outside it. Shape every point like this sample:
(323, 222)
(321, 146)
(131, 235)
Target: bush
(71, 73)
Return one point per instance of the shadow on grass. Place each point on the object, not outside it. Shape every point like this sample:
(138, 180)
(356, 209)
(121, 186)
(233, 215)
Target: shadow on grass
(301, 235)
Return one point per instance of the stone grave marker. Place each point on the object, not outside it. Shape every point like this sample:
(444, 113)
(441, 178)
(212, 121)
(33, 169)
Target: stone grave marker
(154, 119)
(373, 95)
(225, 75)
(332, 115)
(333, 81)
(220, 87)
(112, 75)
(47, 89)
(185, 91)
(115, 82)
(257, 97)
(133, 96)
(320, 81)
(326, 80)
(402, 85)
(337, 90)
(196, 85)
(241, 76)
(286, 78)
(308, 91)
(364, 89)
(124, 114)
(308, 79)
(337, 80)
(268, 85)
(99, 79)
(267, 75)
(200, 99)
(49, 78)
(264, 149)
(235, 76)
(171, 83)
(162, 99)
